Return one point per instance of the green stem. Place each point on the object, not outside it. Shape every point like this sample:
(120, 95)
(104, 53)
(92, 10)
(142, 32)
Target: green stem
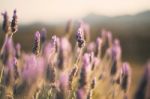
(1, 75)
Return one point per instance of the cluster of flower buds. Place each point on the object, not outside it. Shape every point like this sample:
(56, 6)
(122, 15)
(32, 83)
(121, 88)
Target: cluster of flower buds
(8, 50)
(18, 50)
(55, 43)
(80, 37)
(143, 90)
(107, 38)
(14, 24)
(63, 86)
(10, 27)
(98, 47)
(125, 76)
(36, 46)
(116, 56)
(83, 77)
(81, 94)
(43, 33)
(6, 23)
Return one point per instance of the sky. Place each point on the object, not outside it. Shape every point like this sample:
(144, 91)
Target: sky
(58, 10)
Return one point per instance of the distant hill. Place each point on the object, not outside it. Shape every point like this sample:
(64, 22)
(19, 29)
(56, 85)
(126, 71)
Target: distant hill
(138, 24)
(134, 31)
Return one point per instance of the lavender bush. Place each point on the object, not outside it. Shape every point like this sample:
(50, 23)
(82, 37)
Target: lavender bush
(57, 70)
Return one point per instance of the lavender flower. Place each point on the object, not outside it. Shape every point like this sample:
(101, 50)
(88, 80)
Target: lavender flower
(6, 23)
(8, 50)
(33, 68)
(84, 71)
(125, 76)
(63, 85)
(65, 46)
(8, 76)
(116, 50)
(51, 48)
(63, 82)
(43, 33)
(54, 40)
(107, 38)
(14, 25)
(80, 37)
(83, 77)
(143, 89)
(91, 47)
(16, 72)
(64, 52)
(114, 68)
(36, 76)
(98, 47)
(81, 94)
(55, 43)
(10, 72)
(18, 50)
(36, 46)
(116, 56)
(86, 59)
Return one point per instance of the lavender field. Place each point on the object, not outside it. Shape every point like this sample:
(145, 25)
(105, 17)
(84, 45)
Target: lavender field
(71, 63)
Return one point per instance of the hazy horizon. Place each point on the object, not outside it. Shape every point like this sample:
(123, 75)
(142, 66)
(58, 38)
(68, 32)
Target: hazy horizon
(55, 11)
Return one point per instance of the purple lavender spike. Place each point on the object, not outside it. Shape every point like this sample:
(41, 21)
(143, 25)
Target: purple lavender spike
(8, 50)
(6, 23)
(65, 44)
(116, 56)
(65, 51)
(98, 47)
(33, 68)
(15, 68)
(143, 90)
(116, 50)
(18, 50)
(125, 76)
(84, 71)
(36, 46)
(54, 40)
(43, 34)
(86, 59)
(81, 94)
(63, 82)
(63, 85)
(80, 37)
(91, 47)
(14, 25)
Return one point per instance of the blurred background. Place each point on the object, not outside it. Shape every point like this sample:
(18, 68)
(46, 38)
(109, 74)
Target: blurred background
(128, 20)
